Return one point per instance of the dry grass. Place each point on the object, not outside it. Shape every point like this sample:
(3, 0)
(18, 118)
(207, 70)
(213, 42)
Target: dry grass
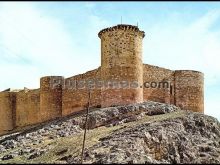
(73, 144)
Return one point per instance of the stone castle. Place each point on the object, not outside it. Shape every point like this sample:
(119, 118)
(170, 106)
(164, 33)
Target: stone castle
(121, 60)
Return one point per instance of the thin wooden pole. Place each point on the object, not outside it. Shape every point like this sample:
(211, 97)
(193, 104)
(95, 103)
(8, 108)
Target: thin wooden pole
(84, 138)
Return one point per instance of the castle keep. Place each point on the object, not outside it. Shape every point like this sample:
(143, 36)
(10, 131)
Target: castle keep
(121, 60)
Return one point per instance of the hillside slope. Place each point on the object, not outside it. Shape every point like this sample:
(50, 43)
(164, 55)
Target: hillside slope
(150, 132)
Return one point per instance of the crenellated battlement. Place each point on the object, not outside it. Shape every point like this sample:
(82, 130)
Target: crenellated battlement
(190, 71)
(121, 60)
(125, 27)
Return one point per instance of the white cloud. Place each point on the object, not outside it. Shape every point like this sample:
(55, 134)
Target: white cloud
(195, 47)
(42, 39)
(191, 47)
(18, 76)
(28, 34)
(90, 5)
(212, 107)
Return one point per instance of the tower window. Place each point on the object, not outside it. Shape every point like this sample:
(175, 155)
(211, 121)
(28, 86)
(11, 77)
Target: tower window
(171, 89)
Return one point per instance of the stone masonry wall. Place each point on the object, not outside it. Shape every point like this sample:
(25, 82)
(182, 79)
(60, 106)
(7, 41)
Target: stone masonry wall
(51, 97)
(7, 114)
(189, 90)
(159, 92)
(27, 107)
(121, 60)
(76, 99)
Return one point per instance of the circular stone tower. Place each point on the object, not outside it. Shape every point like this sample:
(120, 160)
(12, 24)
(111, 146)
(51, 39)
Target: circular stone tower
(121, 65)
(189, 90)
(51, 97)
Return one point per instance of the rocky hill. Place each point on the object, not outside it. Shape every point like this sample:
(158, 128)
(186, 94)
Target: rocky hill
(150, 132)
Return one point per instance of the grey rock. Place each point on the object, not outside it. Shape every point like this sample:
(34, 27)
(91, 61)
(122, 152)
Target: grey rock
(174, 140)
(192, 138)
(2, 149)
(36, 154)
(9, 144)
(112, 116)
(7, 157)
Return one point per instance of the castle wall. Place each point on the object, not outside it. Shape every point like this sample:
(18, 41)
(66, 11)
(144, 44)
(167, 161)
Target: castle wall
(121, 74)
(156, 90)
(27, 107)
(7, 111)
(121, 60)
(76, 99)
(51, 97)
(189, 90)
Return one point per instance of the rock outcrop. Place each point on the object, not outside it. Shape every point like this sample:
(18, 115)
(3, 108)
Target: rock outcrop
(194, 138)
(112, 116)
(149, 132)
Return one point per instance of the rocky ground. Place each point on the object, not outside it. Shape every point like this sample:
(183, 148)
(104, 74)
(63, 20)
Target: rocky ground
(150, 132)
(194, 138)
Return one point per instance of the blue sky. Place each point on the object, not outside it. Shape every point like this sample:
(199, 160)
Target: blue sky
(60, 38)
